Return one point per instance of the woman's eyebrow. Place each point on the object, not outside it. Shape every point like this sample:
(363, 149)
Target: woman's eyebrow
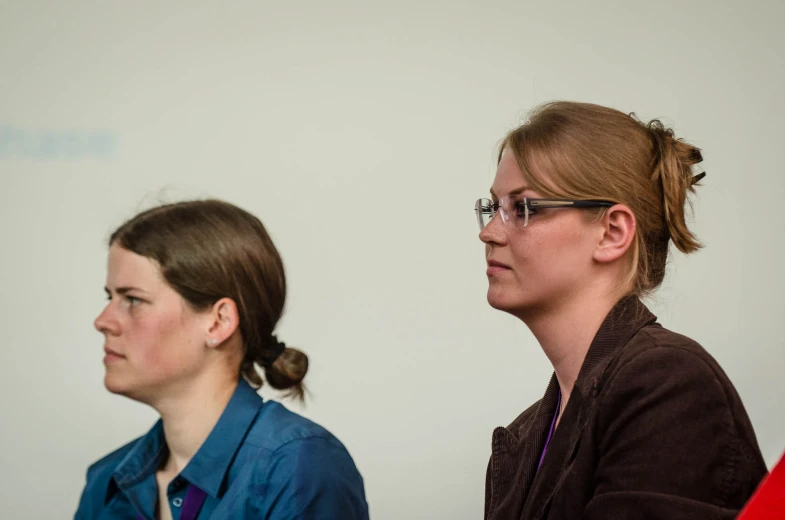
(516, 191)
(125, 289)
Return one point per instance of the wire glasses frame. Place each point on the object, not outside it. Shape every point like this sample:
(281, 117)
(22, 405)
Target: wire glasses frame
(516, 212)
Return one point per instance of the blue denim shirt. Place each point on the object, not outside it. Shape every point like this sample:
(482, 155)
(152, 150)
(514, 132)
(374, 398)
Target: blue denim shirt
(259, 461)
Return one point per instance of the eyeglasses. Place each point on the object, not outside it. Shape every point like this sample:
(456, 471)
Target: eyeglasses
(515, 212)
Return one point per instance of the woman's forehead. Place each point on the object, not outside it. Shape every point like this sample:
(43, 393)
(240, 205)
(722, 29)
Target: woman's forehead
(535, 181)
(509, 179)
(128, 268)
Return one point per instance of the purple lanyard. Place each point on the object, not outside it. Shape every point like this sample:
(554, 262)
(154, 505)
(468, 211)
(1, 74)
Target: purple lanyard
(194, 498)
(550, 432)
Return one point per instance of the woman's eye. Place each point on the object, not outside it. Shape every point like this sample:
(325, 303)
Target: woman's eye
(520, 210)
(130, 302)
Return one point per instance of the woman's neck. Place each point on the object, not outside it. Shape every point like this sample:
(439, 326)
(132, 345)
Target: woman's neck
(189, 415)
(565, 335)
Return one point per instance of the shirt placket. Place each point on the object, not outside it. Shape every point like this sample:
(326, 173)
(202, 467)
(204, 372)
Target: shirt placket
(175, 493)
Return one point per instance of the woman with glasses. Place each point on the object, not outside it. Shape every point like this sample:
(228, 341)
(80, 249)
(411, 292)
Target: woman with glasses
(195, 291)
(637, 421)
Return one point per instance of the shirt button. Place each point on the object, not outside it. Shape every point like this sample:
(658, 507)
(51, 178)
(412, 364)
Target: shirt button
(177, 502)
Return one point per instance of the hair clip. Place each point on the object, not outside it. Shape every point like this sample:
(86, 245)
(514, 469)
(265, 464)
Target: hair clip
(696, 179)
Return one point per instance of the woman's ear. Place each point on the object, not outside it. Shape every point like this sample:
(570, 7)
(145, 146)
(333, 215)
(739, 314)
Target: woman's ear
(224, 321)
(617, 234)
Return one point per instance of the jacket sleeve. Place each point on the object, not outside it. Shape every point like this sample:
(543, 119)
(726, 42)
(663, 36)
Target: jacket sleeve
(670, 446)
(315, 479)
(488, 489)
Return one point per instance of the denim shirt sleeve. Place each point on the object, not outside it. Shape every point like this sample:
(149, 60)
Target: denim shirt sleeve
(85, 509)
(92, 500)
(314, 478)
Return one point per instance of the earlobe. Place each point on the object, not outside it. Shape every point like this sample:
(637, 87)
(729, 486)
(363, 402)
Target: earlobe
(618, 233)
(225, 320)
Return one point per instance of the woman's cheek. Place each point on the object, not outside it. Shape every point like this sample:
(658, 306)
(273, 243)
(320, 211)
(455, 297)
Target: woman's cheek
(159, 345)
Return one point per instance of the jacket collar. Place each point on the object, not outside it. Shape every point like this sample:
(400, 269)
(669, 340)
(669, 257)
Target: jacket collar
(516, 449)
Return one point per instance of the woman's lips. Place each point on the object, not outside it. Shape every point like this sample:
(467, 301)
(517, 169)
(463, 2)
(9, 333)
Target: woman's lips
(111, 356)
(496, 267)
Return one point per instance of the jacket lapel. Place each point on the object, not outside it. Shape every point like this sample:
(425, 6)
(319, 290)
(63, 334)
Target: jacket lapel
(515, 455)
(562, 447)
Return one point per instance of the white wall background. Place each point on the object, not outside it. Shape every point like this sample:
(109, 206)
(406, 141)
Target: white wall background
(361, 133)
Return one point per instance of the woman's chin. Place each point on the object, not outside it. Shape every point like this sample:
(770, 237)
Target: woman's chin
(501, 300)
(117, 385)
(516, 304)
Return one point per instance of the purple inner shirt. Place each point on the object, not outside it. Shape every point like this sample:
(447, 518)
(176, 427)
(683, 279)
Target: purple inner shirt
(553, 427)
(194, 498)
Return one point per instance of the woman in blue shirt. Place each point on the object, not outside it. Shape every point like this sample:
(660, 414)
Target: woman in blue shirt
(195, 291)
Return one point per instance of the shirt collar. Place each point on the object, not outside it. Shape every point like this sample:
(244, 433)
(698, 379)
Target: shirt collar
(143, 458)
(208, 467)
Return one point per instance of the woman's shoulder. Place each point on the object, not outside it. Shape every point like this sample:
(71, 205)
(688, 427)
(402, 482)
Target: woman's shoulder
(661, 366)
(99, 476)
(276, 426)
(101, 470)
(294, 454)
(656, 344)
(666, 400)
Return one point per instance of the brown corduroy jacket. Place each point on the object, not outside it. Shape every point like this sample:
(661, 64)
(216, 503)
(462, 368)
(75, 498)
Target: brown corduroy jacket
(653, 429)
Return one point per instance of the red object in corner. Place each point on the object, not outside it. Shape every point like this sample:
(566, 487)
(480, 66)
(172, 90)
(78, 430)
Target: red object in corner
(768, 501)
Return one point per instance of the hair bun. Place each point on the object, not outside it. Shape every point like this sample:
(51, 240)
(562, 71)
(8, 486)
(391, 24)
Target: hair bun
(272, 350)
(287, 372)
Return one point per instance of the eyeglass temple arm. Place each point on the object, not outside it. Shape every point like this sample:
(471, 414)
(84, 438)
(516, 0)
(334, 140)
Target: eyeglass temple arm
(562, 203)
(593, 204)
